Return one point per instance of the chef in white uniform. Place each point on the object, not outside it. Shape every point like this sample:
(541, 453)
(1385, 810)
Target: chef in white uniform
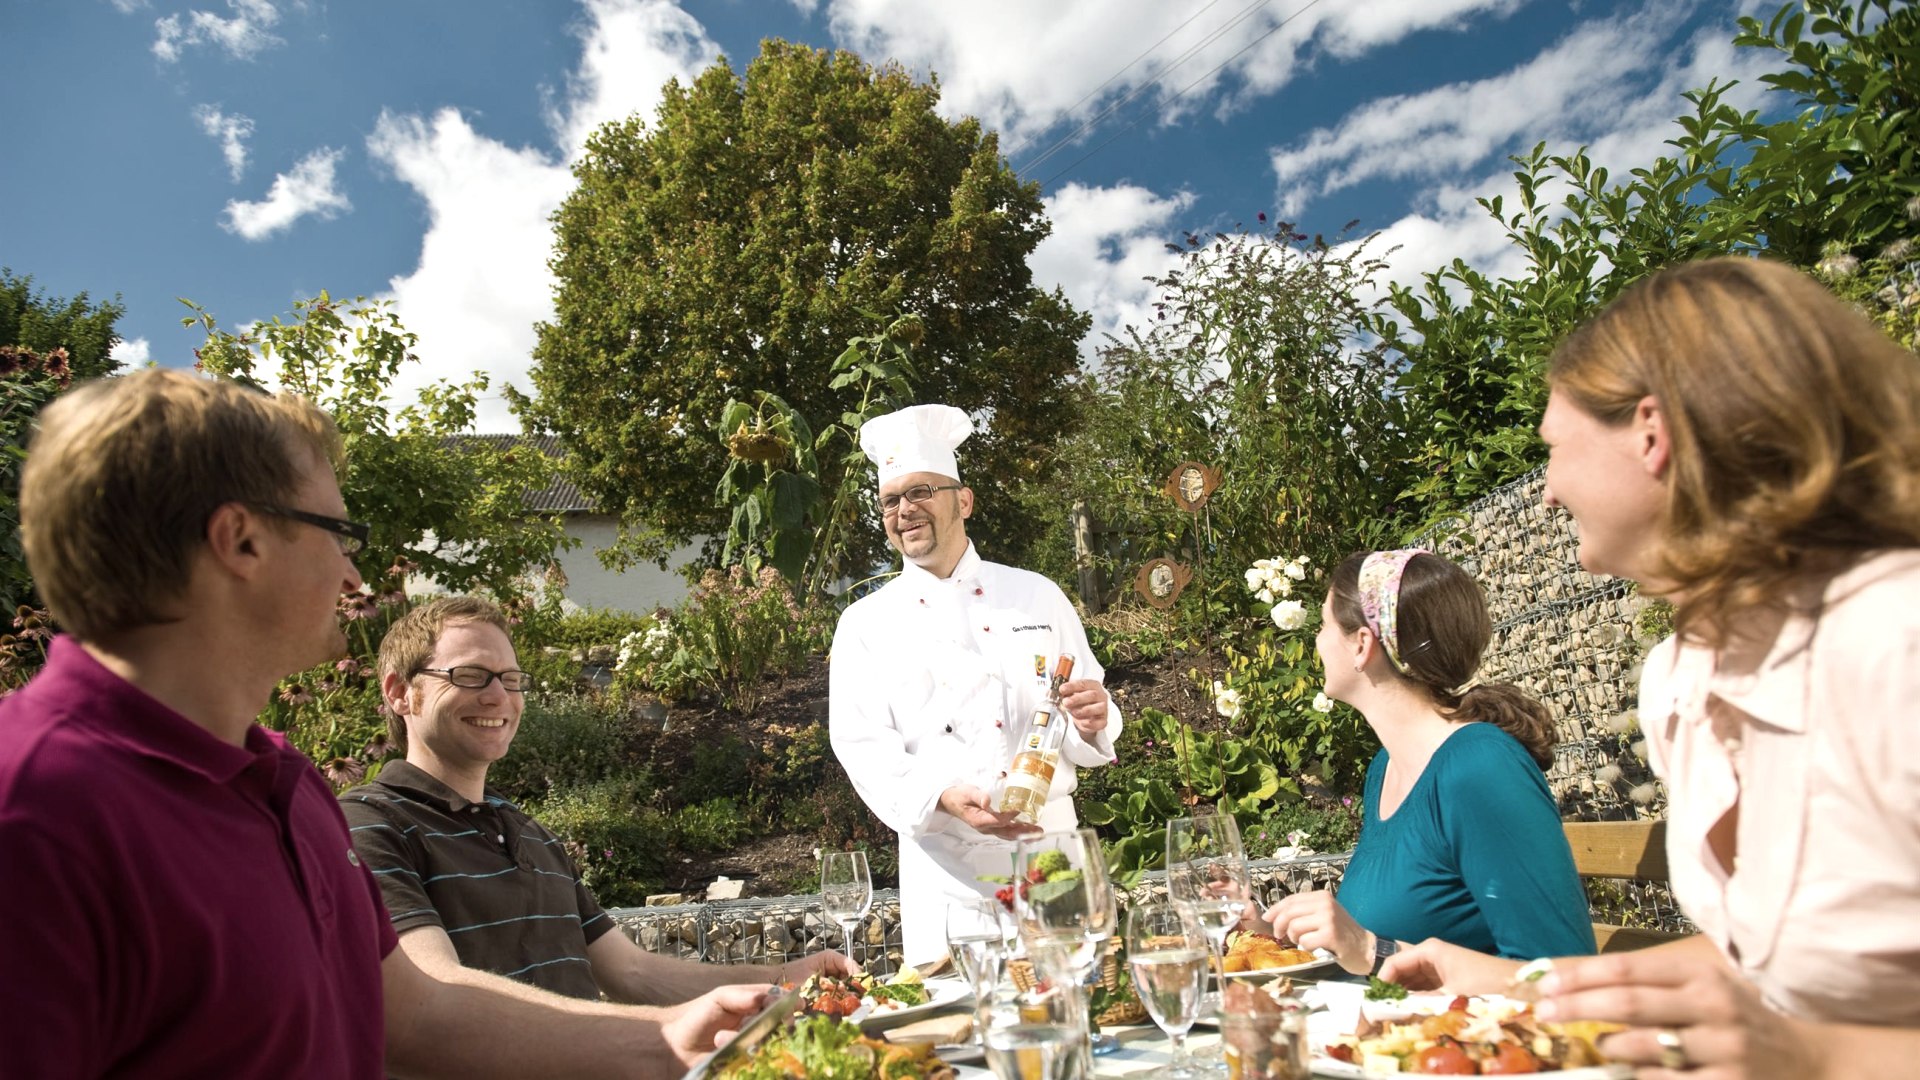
(935, 677)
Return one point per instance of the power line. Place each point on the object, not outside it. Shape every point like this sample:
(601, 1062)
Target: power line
(1128, 98)
(1183, 91)
(1089, 95)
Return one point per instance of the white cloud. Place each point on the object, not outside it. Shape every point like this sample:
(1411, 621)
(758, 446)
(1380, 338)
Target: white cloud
(233, 133)
(1023, 68)
(628, 52)
(242, 36)
(134, 353)
(128, 7)
(1613, 84)
(308, 189)
(1107, 245)
(482, 279)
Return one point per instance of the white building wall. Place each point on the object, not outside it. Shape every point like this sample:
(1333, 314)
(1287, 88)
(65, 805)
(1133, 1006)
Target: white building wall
(640, 588)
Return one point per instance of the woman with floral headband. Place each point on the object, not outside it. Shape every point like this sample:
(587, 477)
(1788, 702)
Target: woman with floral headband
(1738, 440)
(1461, 840)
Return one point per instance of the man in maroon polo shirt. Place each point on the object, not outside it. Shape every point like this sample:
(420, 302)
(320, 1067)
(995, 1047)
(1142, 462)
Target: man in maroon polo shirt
(178, 895)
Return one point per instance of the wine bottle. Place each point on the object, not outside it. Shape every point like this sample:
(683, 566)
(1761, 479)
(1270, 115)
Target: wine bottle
(1031, 774)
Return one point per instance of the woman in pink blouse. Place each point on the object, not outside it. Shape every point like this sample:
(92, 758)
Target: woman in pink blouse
(1737, 440)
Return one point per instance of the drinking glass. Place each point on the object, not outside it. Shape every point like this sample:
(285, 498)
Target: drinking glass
(1207, 873)
(846, 892)
(1066, 920)
(978, 943)
(1167, 950)
(1031, 1035)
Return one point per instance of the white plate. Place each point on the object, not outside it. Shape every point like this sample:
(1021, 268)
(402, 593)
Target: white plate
(1344, 1002)
(1321, 958)
(940, 994)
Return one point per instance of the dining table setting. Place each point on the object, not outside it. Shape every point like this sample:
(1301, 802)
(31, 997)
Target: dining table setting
(1066, 975)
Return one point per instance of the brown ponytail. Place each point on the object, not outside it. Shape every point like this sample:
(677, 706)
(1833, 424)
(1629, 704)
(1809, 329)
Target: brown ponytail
(1443, 633)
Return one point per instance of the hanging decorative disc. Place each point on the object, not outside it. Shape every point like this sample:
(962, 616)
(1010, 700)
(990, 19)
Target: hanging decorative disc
(1160, 581)
(1191, 483)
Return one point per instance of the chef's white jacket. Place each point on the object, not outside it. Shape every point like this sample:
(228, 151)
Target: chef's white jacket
(933, 683)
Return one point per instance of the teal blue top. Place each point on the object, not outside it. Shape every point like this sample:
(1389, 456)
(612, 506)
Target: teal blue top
(1474, 855)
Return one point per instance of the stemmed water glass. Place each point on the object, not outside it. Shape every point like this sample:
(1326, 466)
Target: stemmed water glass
(977, 940)
(1066, 921)
(846, 891)
(1168, 952)
(1207, 874)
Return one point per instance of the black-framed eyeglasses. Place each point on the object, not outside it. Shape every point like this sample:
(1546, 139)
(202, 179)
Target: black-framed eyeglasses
(350, 535)
(916, 495)
(475, 677)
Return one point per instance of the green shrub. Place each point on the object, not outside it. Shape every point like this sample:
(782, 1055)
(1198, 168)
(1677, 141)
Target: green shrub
(732, 632)
(615, 842)
(713, 825)
(1327, 826)
(567, 741)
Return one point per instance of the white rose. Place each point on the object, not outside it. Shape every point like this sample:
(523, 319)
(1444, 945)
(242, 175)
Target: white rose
(1322, 703)
(1289, 615)
(1226, 701)
(1297, 569)
(1254, 577)
(1265, 595)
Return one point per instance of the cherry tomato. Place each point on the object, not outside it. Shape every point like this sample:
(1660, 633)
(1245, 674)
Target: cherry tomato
(1459, 1005)
(1445, 1059)
(1511, 1058)
(1341, 1052)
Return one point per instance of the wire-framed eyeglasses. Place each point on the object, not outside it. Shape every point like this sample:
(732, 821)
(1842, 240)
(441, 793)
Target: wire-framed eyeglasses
(916, 495)
(475, 677)
(350, 535)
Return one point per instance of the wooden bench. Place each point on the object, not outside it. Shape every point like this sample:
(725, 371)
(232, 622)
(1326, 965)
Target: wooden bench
(1621, 849)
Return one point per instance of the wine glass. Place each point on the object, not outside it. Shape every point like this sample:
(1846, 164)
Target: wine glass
(978, 943)
(1066, 918)
(1168, 952)
(1207, 874)
(846, 891)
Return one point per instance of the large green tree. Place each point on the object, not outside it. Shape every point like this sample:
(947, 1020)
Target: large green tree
(33, 320)
(738, 242)
(45, 343)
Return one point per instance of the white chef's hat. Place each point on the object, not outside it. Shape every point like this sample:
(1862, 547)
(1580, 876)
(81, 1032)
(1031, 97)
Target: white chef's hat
(920, 438)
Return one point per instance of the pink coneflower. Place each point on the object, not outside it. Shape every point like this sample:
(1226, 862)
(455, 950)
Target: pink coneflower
(296, 695)
(344, 772)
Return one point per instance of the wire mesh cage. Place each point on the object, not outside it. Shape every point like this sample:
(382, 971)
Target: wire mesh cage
(770, 930)
(1565, 636)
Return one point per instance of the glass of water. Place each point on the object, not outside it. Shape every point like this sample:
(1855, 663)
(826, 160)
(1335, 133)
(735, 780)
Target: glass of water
(846, 892)
(1032, 1035)
(977, 940)
(1207, 872)
(1167, 951)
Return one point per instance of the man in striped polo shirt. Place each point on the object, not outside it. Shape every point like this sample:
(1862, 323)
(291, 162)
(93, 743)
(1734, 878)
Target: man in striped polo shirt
(469, 880)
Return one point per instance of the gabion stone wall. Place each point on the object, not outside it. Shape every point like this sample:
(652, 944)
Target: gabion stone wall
(1565, 636)
(779, 929)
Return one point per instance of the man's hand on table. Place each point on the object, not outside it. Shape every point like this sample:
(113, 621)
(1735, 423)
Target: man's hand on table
(975, 807)
(821, 963)
(1086, 703)
(694, 1028)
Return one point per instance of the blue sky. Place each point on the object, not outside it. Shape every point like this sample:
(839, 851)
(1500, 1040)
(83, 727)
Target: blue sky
(244, 153)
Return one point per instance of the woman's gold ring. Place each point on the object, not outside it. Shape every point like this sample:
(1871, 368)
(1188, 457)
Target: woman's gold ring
(1673, 1053)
